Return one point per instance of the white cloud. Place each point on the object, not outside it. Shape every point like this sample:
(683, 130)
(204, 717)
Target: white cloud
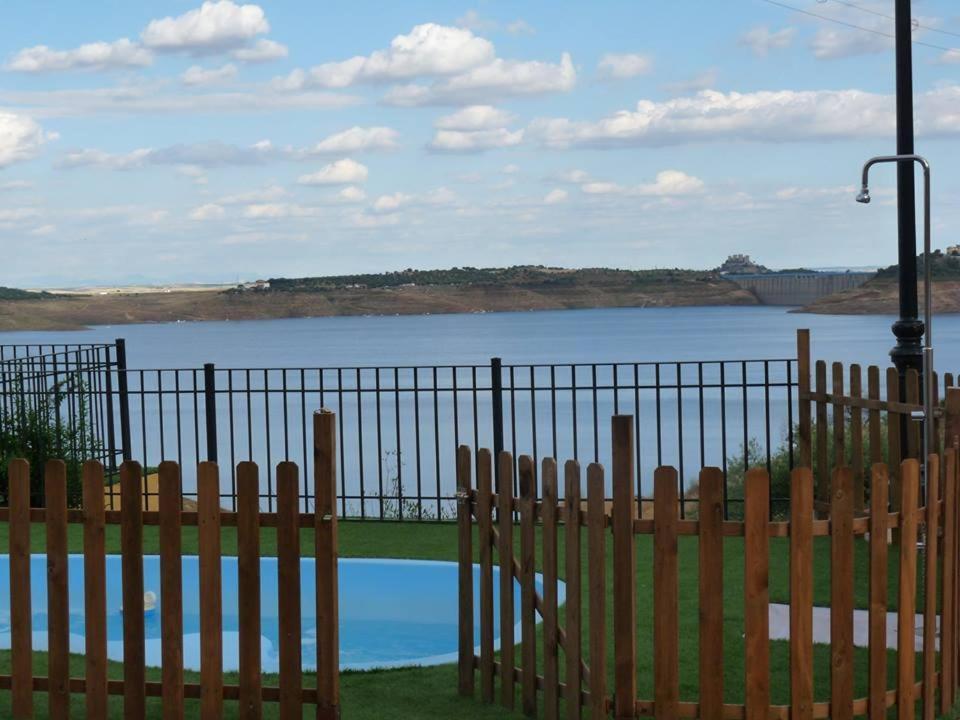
(671, 182)
(209, 211)
(352, 194)
(196, 75)
(496, 79)
(358, 139)
(574, 176)
(950, 57)
(391, 203)
(510, 169)
(156, 98)
(474, 140)
(20, 138)
(620, 66)
(761, 39)
(555, 197)
(44, 230)
(262, 195)
(471, 20)
(765, 116)
(214, 26)
(121, 53)
(794, 193)
(833, 44)
(520, 27)
(601, 188)
(428, 50)
(341, 172)
(12, 215)
(262, 50)
(276, 211)
(475, 117)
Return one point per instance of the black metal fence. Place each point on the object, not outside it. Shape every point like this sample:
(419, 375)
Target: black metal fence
(400, 426)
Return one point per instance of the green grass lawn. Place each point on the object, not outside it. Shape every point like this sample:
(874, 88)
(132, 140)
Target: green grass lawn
(431, 692)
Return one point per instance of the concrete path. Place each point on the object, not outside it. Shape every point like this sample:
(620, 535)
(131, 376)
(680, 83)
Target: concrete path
(780, 626)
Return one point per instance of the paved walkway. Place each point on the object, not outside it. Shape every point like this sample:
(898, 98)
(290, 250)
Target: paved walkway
(780, 626)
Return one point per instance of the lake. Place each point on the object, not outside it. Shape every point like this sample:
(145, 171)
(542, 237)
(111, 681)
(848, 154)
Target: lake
(399, 427)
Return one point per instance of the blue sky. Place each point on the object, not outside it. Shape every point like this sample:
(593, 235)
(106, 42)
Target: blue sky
(174, 141)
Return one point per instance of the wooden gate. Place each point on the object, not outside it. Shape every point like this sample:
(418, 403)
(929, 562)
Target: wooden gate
(209, 518)
(584, 686)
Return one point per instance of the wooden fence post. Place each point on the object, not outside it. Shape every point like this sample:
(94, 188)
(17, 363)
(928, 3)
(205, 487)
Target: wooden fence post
(906, 621)
(624, 570)
(505, 552)
(879, 520)
(573, 649)
(841, 595)
(131, 548)
(666, 596)
(597, 579)
(328, 615)
(551, 627)
(58, 605)
(248, 578)
(711, 589)
(801, 594)
(948, 587)
(94, 590)
(951, 420)
(756, 542)
(288, 591)
(528, 608)
(803, 401)
(171, 590)
(485, 531)
(21, 639)
(211, 589)
(931, 542)
(465, 571)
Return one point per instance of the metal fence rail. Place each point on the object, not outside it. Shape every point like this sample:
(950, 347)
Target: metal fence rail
(400, 425)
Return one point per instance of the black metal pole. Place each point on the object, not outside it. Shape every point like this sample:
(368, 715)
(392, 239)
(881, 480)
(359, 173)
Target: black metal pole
(496, 387)
(123, 392)
(210, 406)
(908, 329)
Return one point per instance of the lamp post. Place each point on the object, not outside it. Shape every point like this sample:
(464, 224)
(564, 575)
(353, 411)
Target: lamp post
(906, 354)
(907, 161)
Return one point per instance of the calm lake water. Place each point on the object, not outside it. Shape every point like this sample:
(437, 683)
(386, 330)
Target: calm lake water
(398, 436)
(606, 335)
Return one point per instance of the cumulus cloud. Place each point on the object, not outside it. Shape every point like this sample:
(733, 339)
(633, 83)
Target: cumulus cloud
(341, 172)
(358, 139)
(262, 50)
(950, 57)
(20, 138)
(351, 194)
(213, 27)
(497, 79)
(620, 66)
(474, 140)
(275, 211)
(428, 49)
(121, 53)
(668, 183)
(209, 211)
(475, 117)
(391, 203)
(765, 116)
(761, 39)
(262, 195)
(196, 75)
(555, 197)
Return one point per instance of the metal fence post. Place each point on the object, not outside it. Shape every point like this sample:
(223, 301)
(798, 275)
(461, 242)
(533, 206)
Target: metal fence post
(124, 394)
(496, 389)
(210, 408)
(111, 431)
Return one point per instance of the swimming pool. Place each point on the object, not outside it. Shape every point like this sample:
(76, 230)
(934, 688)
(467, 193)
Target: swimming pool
(393, 613)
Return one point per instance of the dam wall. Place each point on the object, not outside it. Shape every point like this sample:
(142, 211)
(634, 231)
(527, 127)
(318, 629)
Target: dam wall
(798, 288)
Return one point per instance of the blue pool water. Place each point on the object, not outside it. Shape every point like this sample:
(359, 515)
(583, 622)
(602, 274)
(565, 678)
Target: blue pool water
(393, 613)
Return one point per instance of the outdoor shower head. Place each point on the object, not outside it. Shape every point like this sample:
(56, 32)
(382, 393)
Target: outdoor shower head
(864, 195)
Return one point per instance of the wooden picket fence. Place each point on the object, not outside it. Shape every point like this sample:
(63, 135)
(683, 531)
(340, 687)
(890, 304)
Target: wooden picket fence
(209, 518)
(582, 681)
(857, 417)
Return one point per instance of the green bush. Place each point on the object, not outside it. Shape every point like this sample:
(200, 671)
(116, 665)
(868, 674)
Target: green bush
(31, 431)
